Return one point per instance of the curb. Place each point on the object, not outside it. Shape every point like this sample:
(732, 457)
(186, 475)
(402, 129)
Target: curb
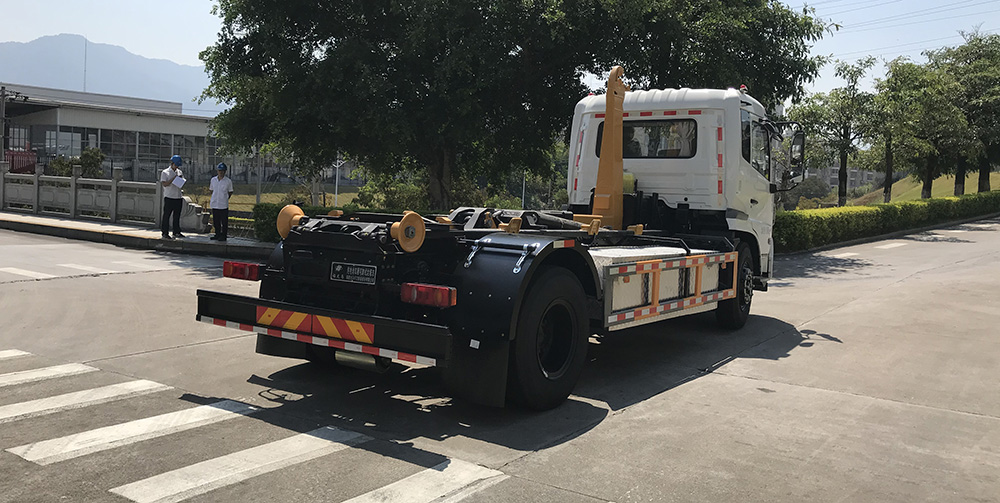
(891, 235)
(261, 252)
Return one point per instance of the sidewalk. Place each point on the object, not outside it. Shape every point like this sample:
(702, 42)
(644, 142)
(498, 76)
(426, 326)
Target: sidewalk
(133, 236)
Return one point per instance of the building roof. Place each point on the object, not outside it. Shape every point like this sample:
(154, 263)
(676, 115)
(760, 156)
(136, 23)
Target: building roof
(37, 99)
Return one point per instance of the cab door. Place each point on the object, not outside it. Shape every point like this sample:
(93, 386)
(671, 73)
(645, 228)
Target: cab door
(761, 209)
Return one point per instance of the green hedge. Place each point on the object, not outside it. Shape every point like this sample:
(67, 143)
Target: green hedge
(793, 230)
(805, 229)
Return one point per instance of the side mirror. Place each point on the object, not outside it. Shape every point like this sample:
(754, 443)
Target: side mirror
(798, 151)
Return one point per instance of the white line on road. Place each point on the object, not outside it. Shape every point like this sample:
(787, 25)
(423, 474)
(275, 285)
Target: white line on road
(25, 272)
(78, 399)
(12, 353)
(26, 376)
(446, 479)
(200, 478)
(146, 266)
(72, 446)
(956, 230)
(844, 255)
(891, 245)
(87, 268)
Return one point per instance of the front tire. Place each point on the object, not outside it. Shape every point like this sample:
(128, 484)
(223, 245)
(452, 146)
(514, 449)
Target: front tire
(550, 346)
(733, 313)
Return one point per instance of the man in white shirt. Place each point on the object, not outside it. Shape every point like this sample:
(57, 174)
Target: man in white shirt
(222, 189)
(172, 197)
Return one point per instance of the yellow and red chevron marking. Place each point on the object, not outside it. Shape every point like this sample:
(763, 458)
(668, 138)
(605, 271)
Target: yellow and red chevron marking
(343, 329)
(290, 320)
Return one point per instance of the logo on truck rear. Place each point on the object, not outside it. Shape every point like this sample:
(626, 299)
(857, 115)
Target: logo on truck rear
(353, 273)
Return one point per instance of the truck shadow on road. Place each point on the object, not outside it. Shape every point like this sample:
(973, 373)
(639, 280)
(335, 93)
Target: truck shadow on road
(624, 369)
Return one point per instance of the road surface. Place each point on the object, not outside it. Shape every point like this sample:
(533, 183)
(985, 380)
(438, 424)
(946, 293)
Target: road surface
(866, 373)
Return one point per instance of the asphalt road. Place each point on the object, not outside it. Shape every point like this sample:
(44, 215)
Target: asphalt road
(867, 373)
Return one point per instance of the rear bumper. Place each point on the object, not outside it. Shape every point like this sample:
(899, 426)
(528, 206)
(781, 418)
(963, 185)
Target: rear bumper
(385, 337)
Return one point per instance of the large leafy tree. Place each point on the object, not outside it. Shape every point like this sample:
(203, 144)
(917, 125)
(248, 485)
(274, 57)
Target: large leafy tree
(839, 118)
(478, 88)
(933, 131)
(696, 43)
(976, 67)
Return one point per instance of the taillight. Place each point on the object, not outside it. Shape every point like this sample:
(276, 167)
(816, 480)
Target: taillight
(241, 270)
(428, 295)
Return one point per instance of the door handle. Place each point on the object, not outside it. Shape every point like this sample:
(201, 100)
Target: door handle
(753, 201)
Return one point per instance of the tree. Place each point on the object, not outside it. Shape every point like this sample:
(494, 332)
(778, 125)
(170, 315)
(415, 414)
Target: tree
(838, 118)
(976, 67)
(91, 160)
(933, 131)
(681, 43)
(477, 89)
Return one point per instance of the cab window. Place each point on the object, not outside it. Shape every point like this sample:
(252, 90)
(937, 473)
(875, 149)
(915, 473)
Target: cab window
(760, 150)
(656, 139)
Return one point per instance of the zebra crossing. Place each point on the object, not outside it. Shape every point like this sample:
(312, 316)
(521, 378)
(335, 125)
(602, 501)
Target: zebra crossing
(449, 481)
(51, 271)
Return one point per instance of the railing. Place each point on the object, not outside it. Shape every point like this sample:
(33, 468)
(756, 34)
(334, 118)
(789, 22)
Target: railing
(113, 200)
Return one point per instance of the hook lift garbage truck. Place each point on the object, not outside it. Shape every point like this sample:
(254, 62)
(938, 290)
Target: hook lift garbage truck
(671, 209)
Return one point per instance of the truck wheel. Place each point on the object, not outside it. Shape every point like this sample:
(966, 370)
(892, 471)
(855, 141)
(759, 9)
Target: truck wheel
(733, 313)
(551, 341)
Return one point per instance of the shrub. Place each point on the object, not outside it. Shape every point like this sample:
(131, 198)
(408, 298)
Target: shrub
(805, 229)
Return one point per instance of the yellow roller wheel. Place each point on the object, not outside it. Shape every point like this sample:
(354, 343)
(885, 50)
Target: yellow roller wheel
(410, 231)
(288, 217)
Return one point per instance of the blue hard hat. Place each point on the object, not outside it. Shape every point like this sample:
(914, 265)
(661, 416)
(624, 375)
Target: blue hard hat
(221, 166)
(176, 160)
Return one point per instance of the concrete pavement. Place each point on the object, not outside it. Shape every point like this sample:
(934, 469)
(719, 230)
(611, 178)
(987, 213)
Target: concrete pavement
(139, 236)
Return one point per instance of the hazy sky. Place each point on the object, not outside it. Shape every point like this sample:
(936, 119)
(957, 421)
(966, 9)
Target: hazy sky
(178, 29)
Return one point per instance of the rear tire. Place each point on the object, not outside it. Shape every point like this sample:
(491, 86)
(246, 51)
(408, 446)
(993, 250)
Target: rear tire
(550, 346)
(733, 313)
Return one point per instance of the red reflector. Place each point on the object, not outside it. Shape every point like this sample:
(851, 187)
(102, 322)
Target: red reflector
(428, 295)
(241, 270)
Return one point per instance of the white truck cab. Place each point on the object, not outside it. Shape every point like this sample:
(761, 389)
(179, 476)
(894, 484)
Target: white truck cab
(704, 155)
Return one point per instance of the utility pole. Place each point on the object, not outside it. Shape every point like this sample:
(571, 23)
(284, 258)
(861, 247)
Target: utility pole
(260, 172)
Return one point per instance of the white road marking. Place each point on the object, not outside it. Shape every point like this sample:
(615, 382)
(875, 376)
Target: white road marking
(843, 255)
(12, 353)
(200, 478)
(446, 479)
(891, 245)
(26, 376)
(72, 446)
(25, 272)
(146, 266)
(87, 268)
(956, 230)
(78, 399)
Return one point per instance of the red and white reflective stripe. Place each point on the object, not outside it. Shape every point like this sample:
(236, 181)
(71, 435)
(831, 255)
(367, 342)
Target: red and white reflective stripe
(599, 116)
(671, 306)
(227, 324)
(568, 243)
(323, 341)
(720, 148)
(694, 112)
(695, 261)
(625, 269)
(672, 264)
(670, 112)
(645, 114)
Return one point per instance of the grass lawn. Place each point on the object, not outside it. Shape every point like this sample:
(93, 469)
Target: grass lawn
(908, 189)
(245, 195)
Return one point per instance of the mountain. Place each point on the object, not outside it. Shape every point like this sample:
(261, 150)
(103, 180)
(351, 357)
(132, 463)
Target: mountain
(57, 61)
